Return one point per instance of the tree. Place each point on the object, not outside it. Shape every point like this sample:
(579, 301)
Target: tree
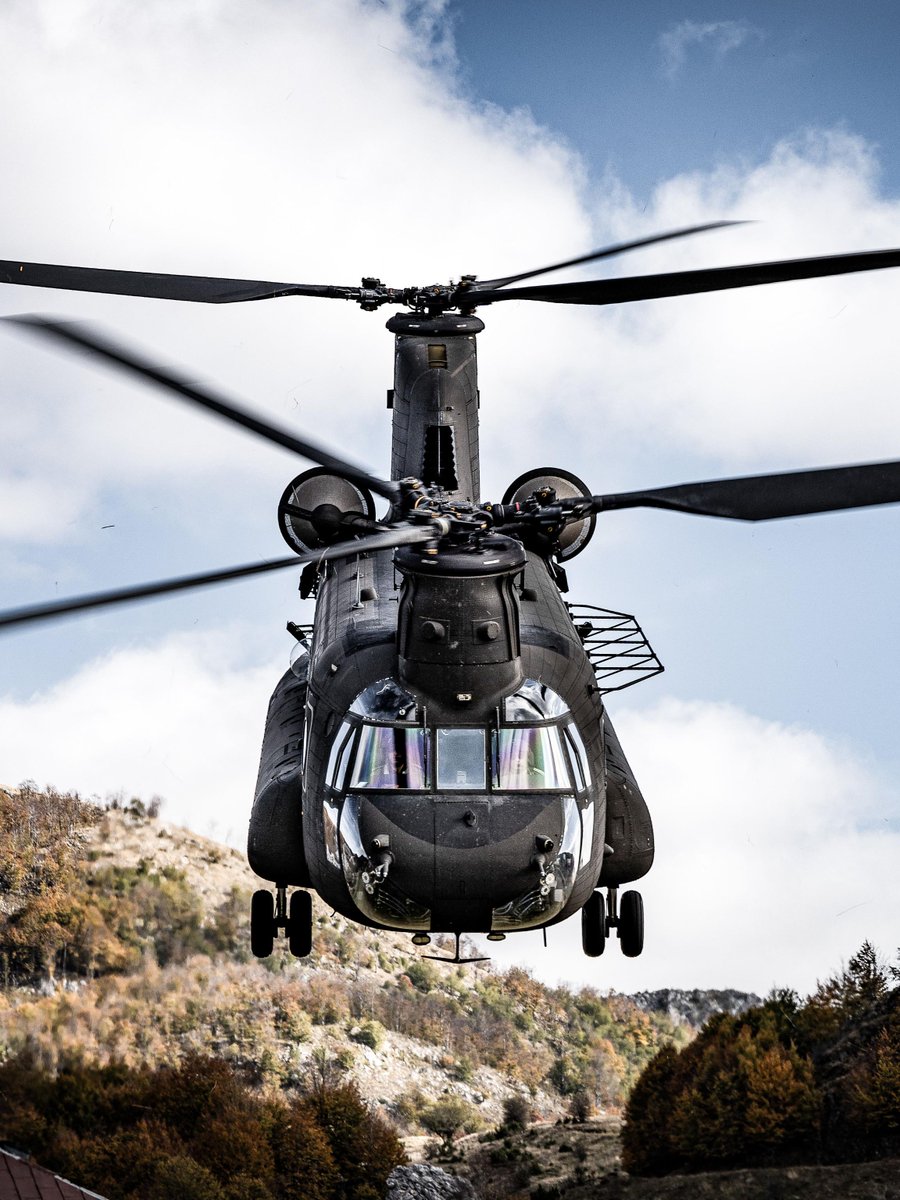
(875, 1089)
(581, 1106)
(646, 1146)
(448, 1118)
(302, 1160)
(365, 1148)
(185, 1178)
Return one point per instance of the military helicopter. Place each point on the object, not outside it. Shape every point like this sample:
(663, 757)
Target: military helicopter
(439, 759)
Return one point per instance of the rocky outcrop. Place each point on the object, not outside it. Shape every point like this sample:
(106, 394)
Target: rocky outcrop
(694, 1007)
(423, 1182)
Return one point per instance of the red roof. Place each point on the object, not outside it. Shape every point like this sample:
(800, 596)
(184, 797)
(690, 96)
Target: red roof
(22, 1180)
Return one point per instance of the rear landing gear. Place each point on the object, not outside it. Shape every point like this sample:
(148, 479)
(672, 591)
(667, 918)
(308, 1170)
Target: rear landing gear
(599, 918)
(269, 914)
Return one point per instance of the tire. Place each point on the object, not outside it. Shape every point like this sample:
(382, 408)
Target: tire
(631, 924)
(593, 925)
(300, 924)
(262, 924)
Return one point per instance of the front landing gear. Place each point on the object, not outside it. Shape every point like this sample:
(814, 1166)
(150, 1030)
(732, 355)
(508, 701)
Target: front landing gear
(593, 925)
(600, 917)
(269, 914)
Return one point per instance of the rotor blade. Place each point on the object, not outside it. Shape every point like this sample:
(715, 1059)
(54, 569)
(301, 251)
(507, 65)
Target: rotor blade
(765, 497)
(96, 345)
(400, 536)
(202, 288)
(606, 252)
(686, 283)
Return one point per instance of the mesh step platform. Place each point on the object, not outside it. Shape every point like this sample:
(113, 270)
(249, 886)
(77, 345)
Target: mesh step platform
(614, 642)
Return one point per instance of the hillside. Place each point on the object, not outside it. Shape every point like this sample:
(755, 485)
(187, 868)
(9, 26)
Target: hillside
(123, 937)
(124, 944)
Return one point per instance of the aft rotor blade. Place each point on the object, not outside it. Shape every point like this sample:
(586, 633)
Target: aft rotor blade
(687, 283)
(128, 360)
(766, 497)
(200, 288)
(606, 252)
(400, 536)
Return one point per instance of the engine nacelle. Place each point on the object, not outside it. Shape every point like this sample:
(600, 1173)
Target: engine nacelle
(315, 507)
(573, 538)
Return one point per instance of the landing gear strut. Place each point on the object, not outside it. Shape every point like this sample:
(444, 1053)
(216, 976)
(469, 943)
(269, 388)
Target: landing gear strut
(269, 914)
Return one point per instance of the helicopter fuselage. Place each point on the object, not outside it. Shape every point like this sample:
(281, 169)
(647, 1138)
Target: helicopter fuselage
(440, 751)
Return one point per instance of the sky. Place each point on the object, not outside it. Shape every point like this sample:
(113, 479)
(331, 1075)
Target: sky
(419, 140)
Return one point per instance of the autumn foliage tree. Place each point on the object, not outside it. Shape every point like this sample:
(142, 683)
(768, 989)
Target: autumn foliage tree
(195, 1131)
(784, 1082)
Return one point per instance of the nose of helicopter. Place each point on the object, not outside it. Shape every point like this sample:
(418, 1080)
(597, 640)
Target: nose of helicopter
(467, 864)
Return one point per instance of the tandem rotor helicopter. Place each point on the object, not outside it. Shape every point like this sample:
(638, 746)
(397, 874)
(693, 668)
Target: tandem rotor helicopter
(439, 759)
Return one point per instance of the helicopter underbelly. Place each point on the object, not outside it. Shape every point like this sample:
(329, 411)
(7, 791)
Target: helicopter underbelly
(473, 863)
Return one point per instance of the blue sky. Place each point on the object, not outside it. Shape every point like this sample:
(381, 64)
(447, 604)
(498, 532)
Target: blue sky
(419, 142)
(657, 89)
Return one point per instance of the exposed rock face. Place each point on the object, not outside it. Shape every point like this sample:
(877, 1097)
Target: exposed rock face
(423, 1182)
(694, 1007)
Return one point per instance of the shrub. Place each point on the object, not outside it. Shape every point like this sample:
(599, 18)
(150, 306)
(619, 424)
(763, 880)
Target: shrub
(369, 1033)
(581, 1106)
(422, 975)
(517, 1112)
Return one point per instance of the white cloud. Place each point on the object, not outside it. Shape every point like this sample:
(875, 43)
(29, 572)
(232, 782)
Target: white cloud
(776, 856)
(182, 719)
(719, 37)
(314, 143)
(791, 374)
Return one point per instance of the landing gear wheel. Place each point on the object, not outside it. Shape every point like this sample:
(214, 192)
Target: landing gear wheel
(593, 925)
(631, 924)
(299, 928)
(262, 924)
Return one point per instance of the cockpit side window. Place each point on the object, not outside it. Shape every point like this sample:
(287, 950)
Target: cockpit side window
(533, 701)
(385, 700)
(391, 758)
(337, 758)
(529, 758)
(578, 755)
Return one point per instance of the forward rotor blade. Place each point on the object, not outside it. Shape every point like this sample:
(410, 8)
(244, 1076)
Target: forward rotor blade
(201, 288)
(606, 252)
(686, 283)
(400, 536)
(766, 497)
(104, 348)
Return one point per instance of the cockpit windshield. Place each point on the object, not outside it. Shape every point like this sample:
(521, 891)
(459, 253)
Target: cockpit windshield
(460, 759)
(388, 757)
(529, 759)
(386, 744)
